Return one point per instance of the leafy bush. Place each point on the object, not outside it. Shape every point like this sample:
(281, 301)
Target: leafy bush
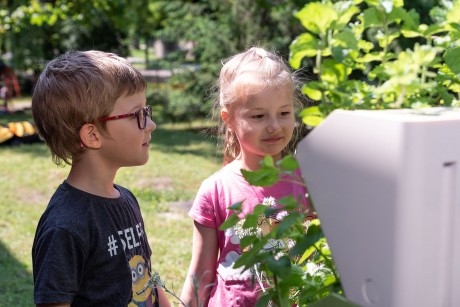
(359, 63)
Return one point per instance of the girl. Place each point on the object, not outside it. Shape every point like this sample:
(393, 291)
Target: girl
(256, 104)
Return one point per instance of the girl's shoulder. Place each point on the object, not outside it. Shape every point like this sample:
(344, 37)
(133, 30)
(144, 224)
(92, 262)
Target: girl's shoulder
(229, 170)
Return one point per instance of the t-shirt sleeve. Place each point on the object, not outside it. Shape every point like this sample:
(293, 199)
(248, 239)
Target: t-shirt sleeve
(203, 207)
(58, 260)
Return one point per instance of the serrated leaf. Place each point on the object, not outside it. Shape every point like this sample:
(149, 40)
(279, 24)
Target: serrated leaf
(280, 267)
(267, 161)
(305, 45)
(312, 93)
(236, 206)
(264, 300)
(247, 241)
(372, 18)
(317, 17)
(231, 221)
(262, 177)
(285, 224)
(288, 163)
(451, 58)
(311, 116)
(288, 202)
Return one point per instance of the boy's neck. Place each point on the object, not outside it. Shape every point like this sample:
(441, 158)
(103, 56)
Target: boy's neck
(93, 180)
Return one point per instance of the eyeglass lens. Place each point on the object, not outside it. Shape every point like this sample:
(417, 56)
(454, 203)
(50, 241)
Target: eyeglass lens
(143, 115)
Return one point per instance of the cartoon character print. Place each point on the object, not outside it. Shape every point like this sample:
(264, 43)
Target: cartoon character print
(225, 268)
(142, 295)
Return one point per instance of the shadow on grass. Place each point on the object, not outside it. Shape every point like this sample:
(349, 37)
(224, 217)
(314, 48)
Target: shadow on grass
(16, 282)
(196, 141)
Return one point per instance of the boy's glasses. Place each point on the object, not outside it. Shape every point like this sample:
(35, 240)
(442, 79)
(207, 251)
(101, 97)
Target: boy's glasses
(141, 115)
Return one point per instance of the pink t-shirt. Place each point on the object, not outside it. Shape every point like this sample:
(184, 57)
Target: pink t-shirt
(222, 189)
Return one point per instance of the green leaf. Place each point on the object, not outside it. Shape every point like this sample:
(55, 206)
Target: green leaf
(247, 241)
(451, 58)
(345, 13)
(346, 39)
(453, 14)
(285, 224)
(312, 93)
(262, 177)
(329, 280)
(372, 18)
(280, 267)
(300, 247)
(259, 210)
(231, 221)
(264, 300)
(317, 17)
(267, 161)
(288, 202)
(305, 45)
(307, 253)
(254, 255)
(333, 72)
(295, 279)
(250, 221)
(288, 163)
(236, 207)
(312, 116)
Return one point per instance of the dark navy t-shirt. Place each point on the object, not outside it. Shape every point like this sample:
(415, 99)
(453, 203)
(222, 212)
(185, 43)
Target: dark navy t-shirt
(92, 251)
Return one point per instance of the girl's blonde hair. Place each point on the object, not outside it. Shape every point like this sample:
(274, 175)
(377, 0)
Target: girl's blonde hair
(79, 87)
(246, 74)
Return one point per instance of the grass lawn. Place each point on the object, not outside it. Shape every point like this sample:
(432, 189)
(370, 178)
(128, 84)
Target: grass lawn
(179, 160)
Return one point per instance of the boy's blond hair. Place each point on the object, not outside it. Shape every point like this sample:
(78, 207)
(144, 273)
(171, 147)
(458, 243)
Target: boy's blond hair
(79, 87)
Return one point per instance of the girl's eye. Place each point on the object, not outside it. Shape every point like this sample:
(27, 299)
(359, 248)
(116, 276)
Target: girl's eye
(285, 113)
(258, 116)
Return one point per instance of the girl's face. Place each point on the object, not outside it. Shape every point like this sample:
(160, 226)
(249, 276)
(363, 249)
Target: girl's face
(125, 144)
(264, 125)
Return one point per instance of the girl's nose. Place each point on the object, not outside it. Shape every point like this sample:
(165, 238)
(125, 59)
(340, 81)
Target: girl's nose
(273, 125)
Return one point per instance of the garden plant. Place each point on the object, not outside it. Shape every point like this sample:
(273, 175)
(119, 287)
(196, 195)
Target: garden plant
(374, 54)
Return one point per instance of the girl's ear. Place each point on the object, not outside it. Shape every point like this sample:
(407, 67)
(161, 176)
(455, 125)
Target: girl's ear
(90, 136)
(224, 115)
(225, 118)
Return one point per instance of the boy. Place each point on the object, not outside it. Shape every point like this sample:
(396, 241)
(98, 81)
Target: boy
(90, 247)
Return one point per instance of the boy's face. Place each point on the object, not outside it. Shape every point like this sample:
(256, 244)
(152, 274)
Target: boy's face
(125, 144)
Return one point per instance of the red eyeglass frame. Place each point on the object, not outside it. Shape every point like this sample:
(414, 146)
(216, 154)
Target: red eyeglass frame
(147, 112)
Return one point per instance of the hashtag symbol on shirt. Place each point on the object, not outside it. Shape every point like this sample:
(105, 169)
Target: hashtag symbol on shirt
(112, 246)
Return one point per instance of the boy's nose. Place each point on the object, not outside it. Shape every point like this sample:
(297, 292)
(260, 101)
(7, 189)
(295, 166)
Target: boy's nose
(151, 125)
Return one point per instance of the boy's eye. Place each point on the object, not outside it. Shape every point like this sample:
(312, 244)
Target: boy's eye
(257, 116)
(285, 113)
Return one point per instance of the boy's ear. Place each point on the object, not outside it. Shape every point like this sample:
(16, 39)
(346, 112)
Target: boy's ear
(90, 136)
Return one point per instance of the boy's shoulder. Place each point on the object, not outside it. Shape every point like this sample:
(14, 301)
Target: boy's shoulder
(72, 208)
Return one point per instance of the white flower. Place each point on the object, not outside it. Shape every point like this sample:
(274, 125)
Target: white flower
(244, 232)
(320, 270)
(281, 215)
(306, 224)
(313, 268)
(269, 201)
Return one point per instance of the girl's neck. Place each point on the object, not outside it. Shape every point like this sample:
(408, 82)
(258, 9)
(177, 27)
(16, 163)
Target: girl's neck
(254, 163)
